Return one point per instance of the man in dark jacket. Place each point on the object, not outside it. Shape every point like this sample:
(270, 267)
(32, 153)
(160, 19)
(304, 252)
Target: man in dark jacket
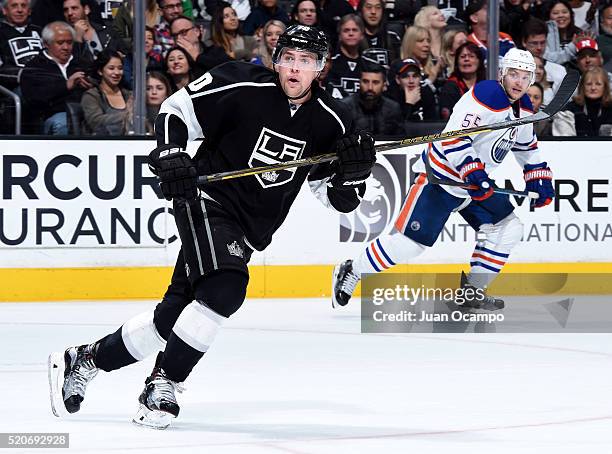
(415, 97)
(266, 10)
(372, 111)
(19, 41)
(53, 78)
(93, 36)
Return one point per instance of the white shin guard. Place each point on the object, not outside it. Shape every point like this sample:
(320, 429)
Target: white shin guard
(198, 325)
(141, 337)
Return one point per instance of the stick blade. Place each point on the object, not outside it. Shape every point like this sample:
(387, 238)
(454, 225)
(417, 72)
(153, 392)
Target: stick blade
(564, 93)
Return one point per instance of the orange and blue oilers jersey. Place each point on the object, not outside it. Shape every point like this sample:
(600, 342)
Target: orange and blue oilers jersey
(486, 103)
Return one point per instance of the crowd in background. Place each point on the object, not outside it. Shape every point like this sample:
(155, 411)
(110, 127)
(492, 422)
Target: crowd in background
(400, 65)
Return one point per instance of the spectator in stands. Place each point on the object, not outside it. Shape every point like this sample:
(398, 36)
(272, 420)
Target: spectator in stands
(588, 55)
(305, 12)
(19, 41)
(189, 36)
(54, 77)
(469, 69)
(46, 11)
(534, 40)
(377, 33)
(331, 13)
(536, 95)
(95, 37)
(265, 10)
(417, 44)
(605, 33)
(271, 31)
(158, 89)
(590, 109)
(123, 23)
(153, 51)
(433, 20)
(476, 17)
(541, 79)
(343, 77)
(562, 33)
(226, 34)
(584, 14)
(154, 59)
(372, 111)
(106, 106)
(242, 8)
(180, 67)
(451, 41)
(171, 9)
(512, 16)
(415, 97)
(322, 79)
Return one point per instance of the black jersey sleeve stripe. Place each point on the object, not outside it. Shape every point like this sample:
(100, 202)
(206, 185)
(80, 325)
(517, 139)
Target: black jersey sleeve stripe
(170, 129)
(231, 86)
(333, 114)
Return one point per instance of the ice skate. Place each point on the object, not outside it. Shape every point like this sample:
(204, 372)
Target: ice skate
(479, 300)
(344, 281)
(69, 374)
(158, 404)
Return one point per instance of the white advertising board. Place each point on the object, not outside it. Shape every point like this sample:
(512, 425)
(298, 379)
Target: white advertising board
(93, 203)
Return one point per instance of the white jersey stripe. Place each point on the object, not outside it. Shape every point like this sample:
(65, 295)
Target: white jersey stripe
(333, 114)
(236, 85)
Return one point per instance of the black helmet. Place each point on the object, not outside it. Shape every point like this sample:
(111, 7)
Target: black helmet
(305, 38)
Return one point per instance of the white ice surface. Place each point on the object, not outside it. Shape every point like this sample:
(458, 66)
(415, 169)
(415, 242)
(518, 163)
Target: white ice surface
(294, 376)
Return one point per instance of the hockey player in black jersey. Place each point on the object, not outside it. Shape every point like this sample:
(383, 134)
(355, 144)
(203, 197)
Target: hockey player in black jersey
(248, 116)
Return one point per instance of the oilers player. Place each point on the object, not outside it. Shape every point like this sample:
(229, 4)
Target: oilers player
(471, 160)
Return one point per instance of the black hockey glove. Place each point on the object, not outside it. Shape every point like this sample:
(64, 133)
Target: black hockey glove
(177, 174)
(356, 157)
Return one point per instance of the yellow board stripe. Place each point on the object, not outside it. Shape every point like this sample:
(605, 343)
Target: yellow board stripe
(279, 281)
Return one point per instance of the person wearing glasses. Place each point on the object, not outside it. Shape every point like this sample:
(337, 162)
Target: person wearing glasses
(188, 36)
(170, 10)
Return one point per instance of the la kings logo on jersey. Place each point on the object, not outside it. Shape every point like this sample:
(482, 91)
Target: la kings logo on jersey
(274, 148)
(24, 48)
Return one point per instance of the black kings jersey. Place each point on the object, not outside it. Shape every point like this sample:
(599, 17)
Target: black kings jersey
(245, 120)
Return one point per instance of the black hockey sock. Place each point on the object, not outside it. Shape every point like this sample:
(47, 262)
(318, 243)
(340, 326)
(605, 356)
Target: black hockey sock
(179, 358)
(112, 353)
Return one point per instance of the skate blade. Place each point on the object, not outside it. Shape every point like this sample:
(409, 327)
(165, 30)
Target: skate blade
(154, 419)
(56, 368)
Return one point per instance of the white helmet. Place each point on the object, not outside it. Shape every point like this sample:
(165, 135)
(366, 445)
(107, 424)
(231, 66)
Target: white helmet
(518, 59)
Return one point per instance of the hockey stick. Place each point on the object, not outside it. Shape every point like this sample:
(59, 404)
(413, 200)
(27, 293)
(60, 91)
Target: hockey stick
(563, 95)
(431, 178)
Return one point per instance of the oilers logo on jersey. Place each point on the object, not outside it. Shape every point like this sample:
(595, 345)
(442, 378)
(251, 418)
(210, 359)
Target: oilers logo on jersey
(274, 148)
(503, 145)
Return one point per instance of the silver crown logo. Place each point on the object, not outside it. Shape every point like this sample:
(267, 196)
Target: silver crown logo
(270, 176)
(235, 249)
